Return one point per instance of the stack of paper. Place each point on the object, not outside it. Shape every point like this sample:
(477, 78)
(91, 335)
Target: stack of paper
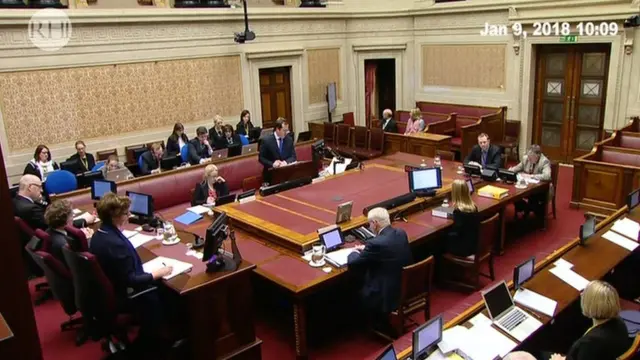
(535, 301)
(198, 209)
(129, 234)
(140, 239)
(338, 258)
(481, 342)
(620, 240)
(627, 227)
(179, 267)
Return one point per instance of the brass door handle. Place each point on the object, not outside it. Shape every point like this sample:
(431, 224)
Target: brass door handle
(572, 106)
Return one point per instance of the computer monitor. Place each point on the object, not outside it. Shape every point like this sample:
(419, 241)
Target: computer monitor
(523, 272)
(427, 337)
(332, 237)
(389, 353)
(246, 194)
(470, 186)
(86, 179)
(507, 176)
(100, 187)
(70, 165)
(633, 199)
(227, 199)
(304, 136)
(141, 204)
(425, 179)
(391, 203)
(472, 170)
(587, 229)
(215, 235)
(170, 162)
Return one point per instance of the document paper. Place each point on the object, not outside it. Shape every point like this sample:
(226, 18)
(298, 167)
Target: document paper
(129, 234)
(627, 227)
(340, 168)
(536, 302)
(338, 258)
(563, 263)
(620, 240)
(140, 239)
(570, 277)
(179, 267)
(199, 209)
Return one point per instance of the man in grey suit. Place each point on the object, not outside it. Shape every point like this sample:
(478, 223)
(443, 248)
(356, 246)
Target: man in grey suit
(534, 165)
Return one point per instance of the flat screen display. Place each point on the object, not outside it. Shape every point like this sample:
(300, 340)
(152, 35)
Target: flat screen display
(523, 272)
(100, 187)
(427, 336)
(332, 239)
(425, 179)
(140, 204)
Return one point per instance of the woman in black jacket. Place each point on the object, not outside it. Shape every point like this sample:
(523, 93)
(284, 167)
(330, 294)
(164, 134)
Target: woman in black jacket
(211, 188)
(245, 124)
(229, 138)
(177, 140)
(463, 238)
(41, 164)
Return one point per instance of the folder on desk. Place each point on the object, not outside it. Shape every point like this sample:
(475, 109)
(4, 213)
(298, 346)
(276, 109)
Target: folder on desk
(188, 218)
(493, 192)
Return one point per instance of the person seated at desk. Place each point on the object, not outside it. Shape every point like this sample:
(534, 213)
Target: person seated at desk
(41, 164)
(463, 237)
(122, 265)
(28, 204)
(150, 160)
(113, 164)
(415, 123)
(534, 165)
(85, 161)
(245, 124)
(199, 148)
(229, 138)
(58, 215)
(382, 258)
(212, 187)
(484, 154)
(177, 140)
(277, 149)
(216, 133)
(608, 337)
(388, 123)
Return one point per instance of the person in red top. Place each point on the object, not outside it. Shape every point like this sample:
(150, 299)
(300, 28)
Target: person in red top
(212, 187)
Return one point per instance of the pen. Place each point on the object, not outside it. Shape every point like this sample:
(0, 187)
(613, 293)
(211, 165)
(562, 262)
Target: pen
(163, 264)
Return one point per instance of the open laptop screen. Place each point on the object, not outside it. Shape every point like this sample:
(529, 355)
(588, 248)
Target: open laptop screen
(388, 354)
(498, 300)
(523, 272)
(426, 337)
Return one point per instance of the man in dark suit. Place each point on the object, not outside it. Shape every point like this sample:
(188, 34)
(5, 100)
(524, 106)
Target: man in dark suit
(388, 123)
(150, 160)
(58, 215)
(484, 154)
(85, 161)
(277, 149)
(28, 204)
(199, 148)
(382, 258)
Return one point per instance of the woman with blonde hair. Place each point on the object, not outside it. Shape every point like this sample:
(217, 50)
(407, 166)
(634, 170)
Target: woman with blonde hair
(415, 123)
(463, 238)
(212, 187)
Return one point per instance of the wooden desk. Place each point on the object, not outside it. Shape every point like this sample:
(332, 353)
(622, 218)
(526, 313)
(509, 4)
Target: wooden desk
(423, 144)
(593, 262)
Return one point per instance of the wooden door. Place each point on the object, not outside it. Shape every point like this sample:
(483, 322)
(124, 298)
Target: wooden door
(570, 98)
(275, 96)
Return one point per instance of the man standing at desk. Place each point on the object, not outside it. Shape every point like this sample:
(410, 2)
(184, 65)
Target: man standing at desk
(382, 258)
(277, 149)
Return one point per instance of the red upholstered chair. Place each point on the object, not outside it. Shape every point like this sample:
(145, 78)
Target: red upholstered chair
(376, 123)
(446, 155)
(465, 272)
(415, 294)
(347, 118)
(342, 136)
(27, 234)
(80, 238)
(45, 240)
(252, 183)
(329, 134)
(511, 139)
(360, 137)
(129, 152)
(104, 154)
(59, 278)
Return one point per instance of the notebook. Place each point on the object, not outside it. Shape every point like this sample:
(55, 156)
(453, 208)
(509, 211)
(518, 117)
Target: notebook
(179, 267)
(188, 218)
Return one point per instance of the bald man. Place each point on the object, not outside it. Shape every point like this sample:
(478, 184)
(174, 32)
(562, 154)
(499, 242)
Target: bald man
(388, 124)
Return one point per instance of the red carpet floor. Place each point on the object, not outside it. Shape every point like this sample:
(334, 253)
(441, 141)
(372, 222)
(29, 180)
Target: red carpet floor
(278, 343)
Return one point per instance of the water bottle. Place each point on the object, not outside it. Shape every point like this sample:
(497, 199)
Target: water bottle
(423, 164)
(445, 203)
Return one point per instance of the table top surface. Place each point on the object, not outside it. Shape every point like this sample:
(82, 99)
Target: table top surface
(592, 262)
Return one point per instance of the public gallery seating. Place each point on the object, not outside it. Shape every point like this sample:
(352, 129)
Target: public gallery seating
(604, 177)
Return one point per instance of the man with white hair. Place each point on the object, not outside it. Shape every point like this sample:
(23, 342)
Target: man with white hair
(382, 259)
(388, 124)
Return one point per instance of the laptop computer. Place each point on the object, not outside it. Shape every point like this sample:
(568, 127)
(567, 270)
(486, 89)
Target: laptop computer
(249, 149)
(220, 154)
(117, 175)
(343, 213)
(470, 186)
(506, 315)
(389, 353)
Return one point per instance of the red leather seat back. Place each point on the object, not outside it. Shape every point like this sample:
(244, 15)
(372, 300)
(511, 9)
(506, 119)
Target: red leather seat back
(431, 117)
(620, 158)
(235, 171)
(402, 116)
(329, 132)
(304, 153)
(166, 192)
(360, 137)
(342, 134)
(631, 142)
(348, 119)
(402, 127)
